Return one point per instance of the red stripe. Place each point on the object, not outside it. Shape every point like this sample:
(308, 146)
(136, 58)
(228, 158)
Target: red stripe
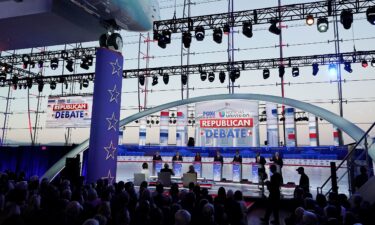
(313, 135)
(164, 113)
(291, 136)
(336, 134)
(179, 113)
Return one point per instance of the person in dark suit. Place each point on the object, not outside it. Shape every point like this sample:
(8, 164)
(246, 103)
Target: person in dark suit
(237, 157)
(273, 202)
(278, 161)
(218, 157)
(177, 157)
(304, 181)
(197, 157)
(261, 161)
(167, 169)
(157, 157)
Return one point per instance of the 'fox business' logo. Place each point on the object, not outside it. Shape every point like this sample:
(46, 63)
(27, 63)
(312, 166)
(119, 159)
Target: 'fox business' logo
(209, 114)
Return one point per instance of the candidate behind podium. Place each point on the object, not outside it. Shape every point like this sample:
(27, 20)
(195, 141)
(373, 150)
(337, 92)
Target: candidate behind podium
(237, 157)
(218, 157)
(177, 157)
(157, 157)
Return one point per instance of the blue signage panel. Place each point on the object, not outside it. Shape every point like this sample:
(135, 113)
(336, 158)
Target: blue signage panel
(177, 168)
(217, 169)
(237, 170)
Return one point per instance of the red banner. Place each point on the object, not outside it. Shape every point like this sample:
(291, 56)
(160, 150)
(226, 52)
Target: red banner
(226, 123)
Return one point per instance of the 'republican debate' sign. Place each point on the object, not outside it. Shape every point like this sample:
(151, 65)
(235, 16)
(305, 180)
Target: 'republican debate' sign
(69, 111)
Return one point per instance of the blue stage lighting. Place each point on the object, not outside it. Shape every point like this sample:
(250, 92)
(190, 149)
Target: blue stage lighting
(332, 69)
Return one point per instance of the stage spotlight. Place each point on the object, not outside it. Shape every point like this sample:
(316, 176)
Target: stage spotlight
(373, 62)
(40, 64)
(346, 18)
(222, 76)
(203, 75)
(199, 33)
(25, 61)
(141, 79)
(62, 80)
(348, 67)
(152, 122)
(54, 63)
(3, 77)
(167, 36)
(155, 80)
(226, 29)
(234, 75)
(274, 28)
(156, 35)
(247, 29)
(29, 82)
(322, 24)
(64, 55)
(32, 64)
(332, 69)
(281, 71)
(184, 79)
(186, 39)
(266, 74)
(69, 65)
(84, 64)
(218, 35)
(40, 86)
(310, 20)
(15, 80)
(315, 69)
(52, 85)
(364, 63)
(157, 121)
(85, 83)
(370, 14)
(148, 121)
(211, 76)
(166, 78)
(295, 72)
(90, 60)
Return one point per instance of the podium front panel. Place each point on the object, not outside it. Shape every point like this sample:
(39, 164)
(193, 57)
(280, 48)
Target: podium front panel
(198, 168)
(254, 173)
(177, 168)
(217, 171)
(157, 167)
(237, 172)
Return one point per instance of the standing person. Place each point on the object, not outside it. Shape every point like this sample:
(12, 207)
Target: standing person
(237, 157)
(273, 202)
(261, 162)
(304, 182)
(218, 157)
(157, 157)
(361, 179)
(145, 171)
(278, 161)
(177, 157)
(197, 157)
(167, 169)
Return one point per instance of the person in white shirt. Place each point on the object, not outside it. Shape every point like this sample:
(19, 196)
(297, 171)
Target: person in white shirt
(145, 171)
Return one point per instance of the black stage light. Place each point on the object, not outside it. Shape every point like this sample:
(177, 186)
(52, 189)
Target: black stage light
(211, 76)
(315, 69)
(364, 63)
(310, 20)
(203, 75)
(348, 67)
(69, 65)
(155, 36)
(226, 29)
(141, 79)
(32, 64)
(167, 36)
(64, 55)
(54, 64)
(25, 61)
(218, 35)
(85, 64)
(322, 24)
(373, 62)
(15, 80)
(52, 85)
(40, 85)
(3, 77)
(29, 82)
(274, 28)
(222, 76)
(295, 72)
(281, 71)
(234, 75)
(61, 80)
(247, 29)
(66, 85)
(40, 64)
(90, 60)
(346, 18)
(266, 74)
(166, 78)
(186, 39)
(370, 14)
(155, 80)
(85, 83)
(184, 79)
(199, 33)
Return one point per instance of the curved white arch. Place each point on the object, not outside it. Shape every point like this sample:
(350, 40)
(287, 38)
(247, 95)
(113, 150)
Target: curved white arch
(346, 126)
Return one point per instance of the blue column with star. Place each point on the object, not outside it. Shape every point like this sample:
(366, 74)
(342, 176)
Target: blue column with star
(102, 158)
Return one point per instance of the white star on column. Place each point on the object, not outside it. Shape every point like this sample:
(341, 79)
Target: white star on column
(112, 122)
(114, 94)
(109, 177)
(110, 151)
(116, 68)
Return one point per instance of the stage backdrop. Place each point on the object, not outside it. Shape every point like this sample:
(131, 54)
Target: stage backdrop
(69, 111)
(228, 123)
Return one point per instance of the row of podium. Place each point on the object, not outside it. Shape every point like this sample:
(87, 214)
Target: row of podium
(217, 170)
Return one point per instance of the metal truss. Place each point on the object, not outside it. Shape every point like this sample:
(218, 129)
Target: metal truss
(245, 65)
(285, 13)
